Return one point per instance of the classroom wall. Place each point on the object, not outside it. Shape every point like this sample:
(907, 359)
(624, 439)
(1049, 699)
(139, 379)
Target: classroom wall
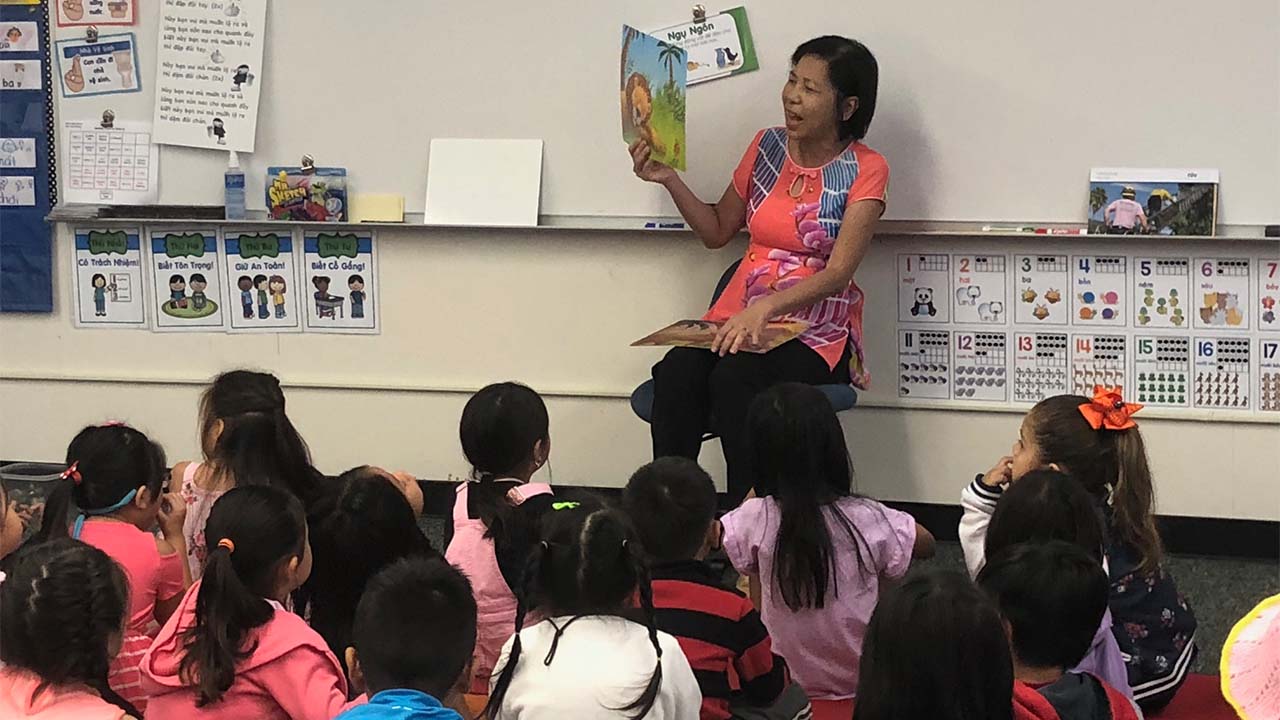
(557, 310)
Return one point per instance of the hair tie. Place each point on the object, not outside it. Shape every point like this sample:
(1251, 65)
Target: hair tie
(113, 423)
(1108, 410)
(72, 473)
(228, 544)
(564, 505)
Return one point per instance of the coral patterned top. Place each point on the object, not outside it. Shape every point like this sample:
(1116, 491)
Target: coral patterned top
(792, 238)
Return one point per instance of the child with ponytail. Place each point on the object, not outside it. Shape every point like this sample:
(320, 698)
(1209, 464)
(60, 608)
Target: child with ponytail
(246, 439)
(506, 437)
(586, 659)
(231, 650)
(113, 488)
(62, 608)
(1097, 442)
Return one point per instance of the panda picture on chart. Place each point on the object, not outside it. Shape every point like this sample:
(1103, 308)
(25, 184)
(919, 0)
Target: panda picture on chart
(924, 288)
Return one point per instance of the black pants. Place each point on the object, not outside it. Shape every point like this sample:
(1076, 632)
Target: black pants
(696, 391)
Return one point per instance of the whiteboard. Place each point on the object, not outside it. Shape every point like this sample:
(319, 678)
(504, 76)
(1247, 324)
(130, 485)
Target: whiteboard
(989, 111)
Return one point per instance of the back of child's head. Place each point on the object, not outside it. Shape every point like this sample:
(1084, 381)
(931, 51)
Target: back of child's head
(1046, 505)
(106, 465)
(253, 532)
(1053, 595)
(935, 649)
(1111, 464)
(589, 562)
(11, 528)
(246, 433)
(62, 608)
(505, 433)
(358, 525)
(671, 503)
(406, 602)
(799, 458)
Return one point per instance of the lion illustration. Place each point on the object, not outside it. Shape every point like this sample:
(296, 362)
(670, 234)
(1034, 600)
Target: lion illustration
(637, 111)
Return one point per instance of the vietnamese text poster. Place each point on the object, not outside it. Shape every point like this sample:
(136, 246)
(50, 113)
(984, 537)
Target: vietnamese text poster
(209, 73)
(340, 275)
(94, 12)
(107, 66)
(186, 281)
(108, 279)
(262, 281)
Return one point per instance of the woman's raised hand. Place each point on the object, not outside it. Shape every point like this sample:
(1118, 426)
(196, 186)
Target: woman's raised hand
(645, 167)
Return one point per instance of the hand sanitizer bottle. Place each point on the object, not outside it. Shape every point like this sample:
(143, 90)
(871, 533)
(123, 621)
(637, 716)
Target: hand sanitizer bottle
(233, 187)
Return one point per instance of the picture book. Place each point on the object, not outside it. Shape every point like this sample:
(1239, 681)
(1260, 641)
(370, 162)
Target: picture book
(319, 195)
(1145, 201)
(652, 86)
(701, 333)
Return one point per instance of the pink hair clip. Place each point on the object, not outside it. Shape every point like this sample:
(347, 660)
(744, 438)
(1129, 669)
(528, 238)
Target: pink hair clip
(73, 473)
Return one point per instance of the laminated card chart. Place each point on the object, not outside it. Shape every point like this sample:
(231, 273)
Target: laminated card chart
(1222, 293)
(108, 279)
(1161, 287)
(1042, 367)
(924, 364)
(1040, 295)
(1162, 370)
(924, 288)
(981, 366)
(1098, 360)
(1269, 375)
(981, 289)
(1222, 373)
(1268, 304)
(1098, 290)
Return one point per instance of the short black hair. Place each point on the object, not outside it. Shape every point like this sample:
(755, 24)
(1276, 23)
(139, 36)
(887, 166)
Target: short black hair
(175, 278)
(355, 278)
(198, 277)
(415, 627)
(853, 72)
(1053, 595)
(671, 502)
(1046, 505)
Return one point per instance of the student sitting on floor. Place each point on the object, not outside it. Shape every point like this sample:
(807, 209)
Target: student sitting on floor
(672, 504)
(415, 629)
(10, 524)
(1052, 597)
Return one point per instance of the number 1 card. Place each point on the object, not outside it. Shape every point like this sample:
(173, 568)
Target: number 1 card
(924, 288)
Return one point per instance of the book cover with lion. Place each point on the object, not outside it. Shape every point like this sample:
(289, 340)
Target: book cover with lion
(653, 80)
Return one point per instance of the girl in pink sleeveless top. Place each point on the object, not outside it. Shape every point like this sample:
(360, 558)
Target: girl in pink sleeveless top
(505, 435)
(112, 486)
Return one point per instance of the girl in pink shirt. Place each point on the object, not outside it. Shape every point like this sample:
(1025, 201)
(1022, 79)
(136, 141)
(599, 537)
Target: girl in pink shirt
(817, 550)
(61, 610)
(112, 486)
(232, 650)
(505, 435)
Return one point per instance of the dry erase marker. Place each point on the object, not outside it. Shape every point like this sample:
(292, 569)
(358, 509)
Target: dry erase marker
(1062, 231)
(996, 228)
(663, 226)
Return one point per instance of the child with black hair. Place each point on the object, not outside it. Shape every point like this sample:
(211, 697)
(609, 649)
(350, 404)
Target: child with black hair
(1097, 442)
(63, 606)
(11, 527)
(246, 439)
(935, 649)
(406, 678)
(505, 434)
(360, 523)
(586, 659)
(819, 550)
(672, 505)
(231, 650)
(1052, 596)
(1047, 505)
(113, 486)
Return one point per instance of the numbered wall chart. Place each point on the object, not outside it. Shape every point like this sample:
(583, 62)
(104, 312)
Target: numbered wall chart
(1268, 304)
(1222, 373)
(1162, 370)
(186, 281)
(1098, 360)
(1161, 292)
(1040, 294)
(924, 288)
(981, 366)
(1269, 375)
(341, 282)
(924, 364)
(108, 279)
(261, 276)
(1042, 367)
(1222, 293)
(1098, 289)
(981, 289)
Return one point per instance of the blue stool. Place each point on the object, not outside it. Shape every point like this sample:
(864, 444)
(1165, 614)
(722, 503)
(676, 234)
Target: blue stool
(842, 397)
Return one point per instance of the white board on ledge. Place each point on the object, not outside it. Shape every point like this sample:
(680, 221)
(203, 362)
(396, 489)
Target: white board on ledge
(484, 182)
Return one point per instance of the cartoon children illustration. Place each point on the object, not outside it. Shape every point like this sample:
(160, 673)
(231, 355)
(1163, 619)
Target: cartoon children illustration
(245, 283)
(13, 38)
(198, 284)
(355, 284)
(108, 120)
(100, 289)
(1123, 216)
(325, 303)
(218, 129)
(242, 76)
(277, 287)
(177, 292)
(260, 282)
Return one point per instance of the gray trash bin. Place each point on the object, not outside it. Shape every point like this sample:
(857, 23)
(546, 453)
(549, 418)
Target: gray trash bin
(28, 485)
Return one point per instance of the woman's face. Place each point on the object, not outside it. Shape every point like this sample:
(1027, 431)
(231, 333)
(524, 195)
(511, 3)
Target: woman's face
(809, 101)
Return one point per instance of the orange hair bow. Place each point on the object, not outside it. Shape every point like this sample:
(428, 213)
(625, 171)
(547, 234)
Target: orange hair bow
(1108, 410)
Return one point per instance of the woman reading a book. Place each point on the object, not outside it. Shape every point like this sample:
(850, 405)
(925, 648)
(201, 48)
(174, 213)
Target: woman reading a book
(810, 195)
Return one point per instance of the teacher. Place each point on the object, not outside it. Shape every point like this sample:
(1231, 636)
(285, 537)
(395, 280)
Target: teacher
(810, 195)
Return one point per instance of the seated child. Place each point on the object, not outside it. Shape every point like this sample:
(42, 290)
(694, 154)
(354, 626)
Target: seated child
(232, 651)
(820, 551)
(10, 524)
(1052, 596)
(587, 659)
(62, 607)
(672, 504)
(935, 650)
(113, 486)
(415, 629)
